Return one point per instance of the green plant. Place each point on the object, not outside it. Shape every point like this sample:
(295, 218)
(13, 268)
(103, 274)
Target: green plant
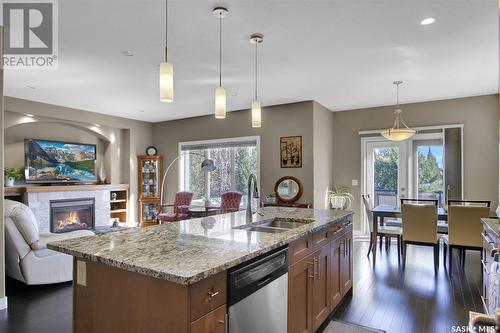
(341, 192)
(17, 174)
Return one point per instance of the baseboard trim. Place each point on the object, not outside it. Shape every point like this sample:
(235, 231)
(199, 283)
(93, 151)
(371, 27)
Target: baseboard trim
(3, 303)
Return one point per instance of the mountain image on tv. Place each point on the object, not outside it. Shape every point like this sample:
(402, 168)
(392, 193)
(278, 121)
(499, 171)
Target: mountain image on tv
(59, 161)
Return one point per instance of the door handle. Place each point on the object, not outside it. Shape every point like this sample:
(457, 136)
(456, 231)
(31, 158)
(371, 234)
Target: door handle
(316, 270)
(264, 282)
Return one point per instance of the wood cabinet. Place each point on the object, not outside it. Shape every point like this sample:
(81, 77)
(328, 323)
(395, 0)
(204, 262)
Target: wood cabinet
(491, 243)
(320, 275)
(150, 177)
(300, 296)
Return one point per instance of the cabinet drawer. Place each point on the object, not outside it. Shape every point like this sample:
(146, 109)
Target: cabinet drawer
(213, 322)
(320, 238)
(299, 249)
(207, 295)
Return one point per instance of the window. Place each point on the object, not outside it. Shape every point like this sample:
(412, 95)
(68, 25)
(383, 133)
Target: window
(235, 159)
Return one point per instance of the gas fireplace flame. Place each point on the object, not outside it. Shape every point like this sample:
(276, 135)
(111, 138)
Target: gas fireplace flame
(71, 220)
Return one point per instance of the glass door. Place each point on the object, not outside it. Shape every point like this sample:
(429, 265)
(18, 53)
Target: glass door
(386, 172)
(428, 170)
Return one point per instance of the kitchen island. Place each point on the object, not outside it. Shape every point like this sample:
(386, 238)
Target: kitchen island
(173, 277)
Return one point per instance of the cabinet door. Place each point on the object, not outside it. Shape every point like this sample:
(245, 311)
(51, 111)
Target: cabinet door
(346, 263)
(335, 259)
(321, 286)
(300, 284)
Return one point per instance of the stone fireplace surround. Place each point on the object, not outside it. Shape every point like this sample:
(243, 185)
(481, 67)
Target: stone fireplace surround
(39, 202)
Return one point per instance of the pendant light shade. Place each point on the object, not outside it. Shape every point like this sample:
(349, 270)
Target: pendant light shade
(166, 82)
(398, 132)
(166, 69)
(220, 92)
(256, 114)
(256, 39)
(220, 103)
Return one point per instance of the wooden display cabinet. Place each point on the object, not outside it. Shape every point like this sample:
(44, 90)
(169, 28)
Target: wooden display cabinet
(150, 175)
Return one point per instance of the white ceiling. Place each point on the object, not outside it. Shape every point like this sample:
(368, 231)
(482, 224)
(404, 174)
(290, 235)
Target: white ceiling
(343, 54)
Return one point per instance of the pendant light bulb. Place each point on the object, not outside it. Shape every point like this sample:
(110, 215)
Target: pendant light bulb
(256, 38)
(256, 114)
(220, 103)
(166, 69)
(220, 92)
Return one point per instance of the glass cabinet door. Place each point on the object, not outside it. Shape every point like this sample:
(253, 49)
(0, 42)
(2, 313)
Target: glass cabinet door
(150, 176)
(149, 211)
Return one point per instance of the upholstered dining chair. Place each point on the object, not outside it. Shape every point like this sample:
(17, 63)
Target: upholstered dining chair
(383, 231)
(420, 227)
(464, 228)
(230, 202)
(180, 208)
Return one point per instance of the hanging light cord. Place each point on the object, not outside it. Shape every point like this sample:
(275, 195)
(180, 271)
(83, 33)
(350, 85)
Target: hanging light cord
(256, 71)
(166, 30)
(399, 117)
(220, 49)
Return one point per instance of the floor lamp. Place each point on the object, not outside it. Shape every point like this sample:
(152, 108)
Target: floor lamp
(208, 165)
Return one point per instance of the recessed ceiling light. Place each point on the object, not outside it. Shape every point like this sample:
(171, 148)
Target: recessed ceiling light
(427, 21)
(234, 93)
(31, 87)
(97, 125)
(30, 115)
(128, 53)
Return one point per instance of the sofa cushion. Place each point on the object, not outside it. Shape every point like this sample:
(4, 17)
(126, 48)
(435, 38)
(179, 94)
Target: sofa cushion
(23, 219)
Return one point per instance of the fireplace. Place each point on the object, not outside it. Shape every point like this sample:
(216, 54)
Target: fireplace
(72, 214)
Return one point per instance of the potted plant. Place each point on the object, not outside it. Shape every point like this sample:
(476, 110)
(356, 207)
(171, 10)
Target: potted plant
(10, 175)
(340, 197)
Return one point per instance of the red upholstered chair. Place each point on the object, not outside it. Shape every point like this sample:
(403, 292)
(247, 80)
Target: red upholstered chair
(180, 208)
(230, 202)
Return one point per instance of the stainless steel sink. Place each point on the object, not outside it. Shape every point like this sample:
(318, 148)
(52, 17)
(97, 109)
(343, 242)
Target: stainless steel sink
(275, 225)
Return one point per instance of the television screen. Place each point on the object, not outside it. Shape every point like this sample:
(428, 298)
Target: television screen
(54, 161)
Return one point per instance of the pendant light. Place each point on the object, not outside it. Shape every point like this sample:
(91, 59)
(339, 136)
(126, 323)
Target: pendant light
(256, 39)
(166, 69)
(398, 132)
(220, 92)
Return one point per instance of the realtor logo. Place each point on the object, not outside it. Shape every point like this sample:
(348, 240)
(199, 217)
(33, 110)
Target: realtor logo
(30, 34)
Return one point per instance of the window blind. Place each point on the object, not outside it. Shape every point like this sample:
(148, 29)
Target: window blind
(221, 144)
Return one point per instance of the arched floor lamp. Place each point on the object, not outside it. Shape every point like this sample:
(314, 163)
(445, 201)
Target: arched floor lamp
(208, 165)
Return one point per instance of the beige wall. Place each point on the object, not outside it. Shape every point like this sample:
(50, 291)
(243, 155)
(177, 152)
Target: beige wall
(478, 114)
(323, 154)
(277, 121)
(120, 140)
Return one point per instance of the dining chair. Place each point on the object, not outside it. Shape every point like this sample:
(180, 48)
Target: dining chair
(230, 202)
(180, 208)
(420, 227)
(383, 231)
(442, 226)
(464, 228)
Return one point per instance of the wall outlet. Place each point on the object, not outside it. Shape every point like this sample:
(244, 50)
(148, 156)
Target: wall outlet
(354, 182)
(81, 273)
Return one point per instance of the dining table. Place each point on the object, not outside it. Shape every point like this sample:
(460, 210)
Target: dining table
(381, 212)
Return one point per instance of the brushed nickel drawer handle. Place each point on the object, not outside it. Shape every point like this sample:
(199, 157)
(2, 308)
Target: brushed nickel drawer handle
(311, 263)
(487, 238)
(212, 294)
(485, 268)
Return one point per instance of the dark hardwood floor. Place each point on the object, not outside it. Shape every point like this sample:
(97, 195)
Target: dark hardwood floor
(415, 300)
(383, 298)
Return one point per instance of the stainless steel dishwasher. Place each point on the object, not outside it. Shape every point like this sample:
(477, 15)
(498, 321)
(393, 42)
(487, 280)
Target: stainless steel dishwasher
(258, 295)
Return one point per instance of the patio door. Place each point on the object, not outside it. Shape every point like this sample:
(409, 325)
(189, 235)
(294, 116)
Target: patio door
(386, 172)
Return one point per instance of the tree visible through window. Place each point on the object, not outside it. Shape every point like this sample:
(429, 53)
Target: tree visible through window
(234, 163)
(430, 173)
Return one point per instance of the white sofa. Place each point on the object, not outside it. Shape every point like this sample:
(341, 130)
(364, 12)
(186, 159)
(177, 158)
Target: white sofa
(27, 258)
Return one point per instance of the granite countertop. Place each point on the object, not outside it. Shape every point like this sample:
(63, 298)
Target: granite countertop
(188, 251)
(492, 224)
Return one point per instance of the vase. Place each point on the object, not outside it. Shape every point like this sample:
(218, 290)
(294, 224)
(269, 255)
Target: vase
(102, 174)
(9, 182)
(338, 202)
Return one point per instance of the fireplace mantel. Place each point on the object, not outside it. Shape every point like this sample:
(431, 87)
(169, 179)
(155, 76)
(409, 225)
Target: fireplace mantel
(21, 189)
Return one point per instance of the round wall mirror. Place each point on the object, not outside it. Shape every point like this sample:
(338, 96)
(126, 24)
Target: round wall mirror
(288, 189)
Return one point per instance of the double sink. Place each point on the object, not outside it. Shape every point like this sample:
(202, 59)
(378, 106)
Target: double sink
(274, 225)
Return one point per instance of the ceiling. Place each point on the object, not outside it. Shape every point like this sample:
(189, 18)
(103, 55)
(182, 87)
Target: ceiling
(343, 54)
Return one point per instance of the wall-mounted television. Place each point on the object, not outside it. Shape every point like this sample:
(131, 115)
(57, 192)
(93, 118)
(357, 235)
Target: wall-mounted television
(49, 161)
